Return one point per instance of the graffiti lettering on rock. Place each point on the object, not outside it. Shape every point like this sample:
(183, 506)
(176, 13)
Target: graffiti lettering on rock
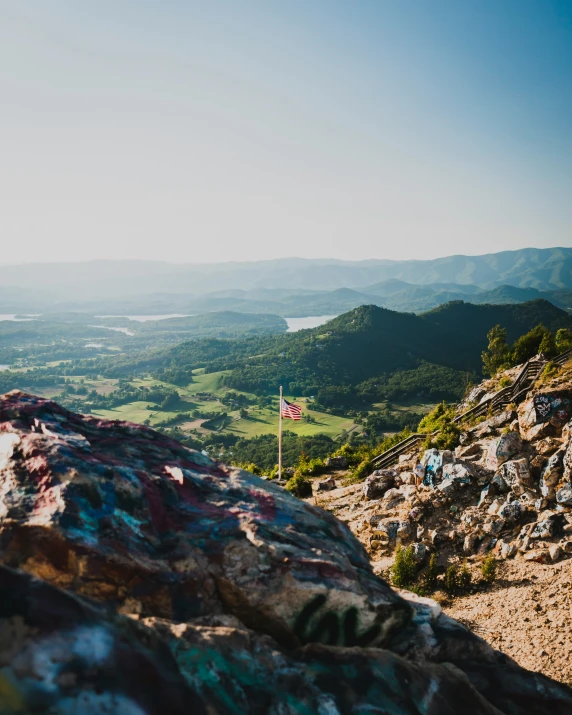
(332, 628)
(550, 407)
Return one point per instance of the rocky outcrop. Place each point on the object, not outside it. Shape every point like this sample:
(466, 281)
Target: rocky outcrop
(219, 592)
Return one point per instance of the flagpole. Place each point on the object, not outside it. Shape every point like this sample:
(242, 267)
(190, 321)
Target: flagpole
(280, 436)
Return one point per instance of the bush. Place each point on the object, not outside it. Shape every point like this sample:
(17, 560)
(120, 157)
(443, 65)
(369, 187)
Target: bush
(299, 486)
(489, 569)
(439, 416)
(457, 580)
(550, 369)
(429, 577)
(251, 467)
(448, 437)
(404, 569)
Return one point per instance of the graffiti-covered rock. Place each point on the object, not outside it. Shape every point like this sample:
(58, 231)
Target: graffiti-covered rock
(551, 475)
(502, 449)
(121, 513)
(515, 473)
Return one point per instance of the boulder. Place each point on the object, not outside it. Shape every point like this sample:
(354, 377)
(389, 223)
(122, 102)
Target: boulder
(121, 513)
(544, 414)
(378, 483)
(551, 475)
(564, 495)
(393, 528)
(555, 552)
(567, 461)
(502, 449)
(508, 550)
(327, 485)
(227, 576)
(515, 474)
(492, 424)
(476, 394)
(420, 552)
(470, 543)
(392, 499)
(471, 451)
(540, 556)
(511, 511)
(336, 463)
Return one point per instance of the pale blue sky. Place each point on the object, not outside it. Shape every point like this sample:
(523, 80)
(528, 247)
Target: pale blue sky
(242, 129)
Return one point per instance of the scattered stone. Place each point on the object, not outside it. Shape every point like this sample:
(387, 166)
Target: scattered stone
(511, 511)
(470, 543)
(564, 495)
(540, 556)
(336, 463)
(555, 552)
(378, 483)
(327, 485)
(420, 552)
(508, 550)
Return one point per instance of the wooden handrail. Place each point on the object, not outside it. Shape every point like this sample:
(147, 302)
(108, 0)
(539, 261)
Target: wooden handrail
(502, 398)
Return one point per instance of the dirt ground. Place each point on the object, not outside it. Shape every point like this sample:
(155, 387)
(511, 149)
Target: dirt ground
(527, 614)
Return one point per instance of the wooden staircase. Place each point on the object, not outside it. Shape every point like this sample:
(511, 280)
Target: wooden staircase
(496, 403)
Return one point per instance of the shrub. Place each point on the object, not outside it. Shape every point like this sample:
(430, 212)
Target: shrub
(439, 416)
(457, 580)
(429, 577)
(489, 569)
(448, 437)
(451, 575)
(251, 467)
(505, 381)
(404, 569)
(299, 486)
(550, 369)
(464, 579)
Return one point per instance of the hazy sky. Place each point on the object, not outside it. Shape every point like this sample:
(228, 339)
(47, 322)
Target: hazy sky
(244, 129)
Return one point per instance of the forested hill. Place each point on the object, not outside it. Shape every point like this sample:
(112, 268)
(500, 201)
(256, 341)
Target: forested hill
(368, 353)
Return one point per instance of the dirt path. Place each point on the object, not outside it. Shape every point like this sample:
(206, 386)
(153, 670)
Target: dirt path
(526, 614)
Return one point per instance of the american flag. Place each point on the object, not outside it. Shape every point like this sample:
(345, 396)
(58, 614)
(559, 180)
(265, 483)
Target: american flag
(290, 410)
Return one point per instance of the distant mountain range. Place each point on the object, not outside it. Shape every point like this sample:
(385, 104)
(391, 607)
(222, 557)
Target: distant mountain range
(288, 287)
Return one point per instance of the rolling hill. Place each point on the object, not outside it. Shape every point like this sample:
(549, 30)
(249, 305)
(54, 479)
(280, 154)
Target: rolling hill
(360, 352)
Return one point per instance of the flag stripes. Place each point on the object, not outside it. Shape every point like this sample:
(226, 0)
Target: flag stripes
(290, 410)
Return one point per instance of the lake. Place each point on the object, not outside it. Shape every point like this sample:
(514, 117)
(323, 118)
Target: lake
(145, 318)
(12, 316)
(312, 321)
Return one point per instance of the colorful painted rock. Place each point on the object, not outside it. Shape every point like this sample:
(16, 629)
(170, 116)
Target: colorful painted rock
(120, 513)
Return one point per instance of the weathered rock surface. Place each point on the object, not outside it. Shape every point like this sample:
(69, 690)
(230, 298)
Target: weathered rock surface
(120, 513)
(378, 483)
(245, 599)
(502, 449)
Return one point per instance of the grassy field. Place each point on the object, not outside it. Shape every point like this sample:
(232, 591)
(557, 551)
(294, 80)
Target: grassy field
(265, 421)
(202, 397)
(260, 420)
